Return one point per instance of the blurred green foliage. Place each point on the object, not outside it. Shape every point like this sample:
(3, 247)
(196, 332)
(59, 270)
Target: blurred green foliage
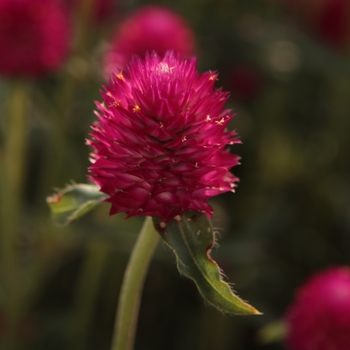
(288, 218)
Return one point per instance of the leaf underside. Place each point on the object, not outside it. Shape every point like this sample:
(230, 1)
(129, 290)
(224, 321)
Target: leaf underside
(74, 201)
(191, 237)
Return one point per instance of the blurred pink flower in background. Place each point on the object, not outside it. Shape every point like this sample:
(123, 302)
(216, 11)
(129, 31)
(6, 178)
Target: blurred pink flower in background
(160, 145)
(151, 28)
(319, 319)
(327, 19)
(34, 37)
(333, 23)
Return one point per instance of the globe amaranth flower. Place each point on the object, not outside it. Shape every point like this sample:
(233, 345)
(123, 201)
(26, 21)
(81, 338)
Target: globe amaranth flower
(319, 319)
(34, 37)
(160, 145)
(151, 28)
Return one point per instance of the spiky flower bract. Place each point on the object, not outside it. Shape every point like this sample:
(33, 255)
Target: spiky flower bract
(34, 37)
(150, 28)
(319, 319)
(160, 145)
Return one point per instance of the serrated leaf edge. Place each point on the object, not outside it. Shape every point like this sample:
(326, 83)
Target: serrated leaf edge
(251, 308)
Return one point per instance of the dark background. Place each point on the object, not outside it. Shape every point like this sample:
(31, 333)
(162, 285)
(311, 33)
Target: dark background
(290, 86)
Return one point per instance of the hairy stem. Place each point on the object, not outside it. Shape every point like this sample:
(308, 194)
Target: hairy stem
(131, 290)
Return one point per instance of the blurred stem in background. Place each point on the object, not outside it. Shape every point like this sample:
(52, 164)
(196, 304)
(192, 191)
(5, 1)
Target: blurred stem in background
(83, 26)
(64, 99)
(12, 178)
(131, 289)
(97, 253)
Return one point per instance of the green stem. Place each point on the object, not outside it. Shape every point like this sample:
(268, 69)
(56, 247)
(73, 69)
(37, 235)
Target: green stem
(130, 294)
(83, 27)
(11, 198)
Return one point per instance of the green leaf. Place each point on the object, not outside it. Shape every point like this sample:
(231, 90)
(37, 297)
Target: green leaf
(74, 201)
(191, 237)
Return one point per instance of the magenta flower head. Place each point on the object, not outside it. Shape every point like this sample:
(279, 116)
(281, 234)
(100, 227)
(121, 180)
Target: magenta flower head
(151, 28)
(34, 37)
(320, 317)
(160, 145)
